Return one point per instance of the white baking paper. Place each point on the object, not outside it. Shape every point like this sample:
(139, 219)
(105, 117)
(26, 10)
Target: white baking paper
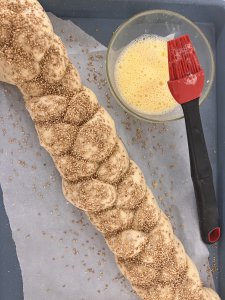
(61, 255)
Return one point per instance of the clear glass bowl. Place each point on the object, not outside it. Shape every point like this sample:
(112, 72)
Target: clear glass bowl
(162, 23)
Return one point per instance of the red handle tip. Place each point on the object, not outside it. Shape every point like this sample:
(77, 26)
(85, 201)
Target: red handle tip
(214, 235)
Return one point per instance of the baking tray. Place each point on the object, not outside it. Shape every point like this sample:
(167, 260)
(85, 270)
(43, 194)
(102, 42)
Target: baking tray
(100, 18)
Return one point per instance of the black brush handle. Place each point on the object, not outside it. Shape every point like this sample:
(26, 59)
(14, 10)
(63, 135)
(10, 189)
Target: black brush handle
(201, 173)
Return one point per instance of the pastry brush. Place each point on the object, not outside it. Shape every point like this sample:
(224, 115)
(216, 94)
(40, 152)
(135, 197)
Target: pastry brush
(186, 85)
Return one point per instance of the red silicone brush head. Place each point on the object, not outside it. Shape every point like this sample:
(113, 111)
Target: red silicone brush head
(186, 76)
(183, 59)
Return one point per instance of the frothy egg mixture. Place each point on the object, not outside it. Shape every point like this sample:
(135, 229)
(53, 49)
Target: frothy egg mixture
(141, 74)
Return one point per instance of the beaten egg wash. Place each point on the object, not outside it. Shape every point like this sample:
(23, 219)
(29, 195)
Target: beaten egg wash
(141, 74)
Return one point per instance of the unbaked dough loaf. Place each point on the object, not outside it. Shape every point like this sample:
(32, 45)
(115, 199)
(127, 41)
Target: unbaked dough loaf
(97, 174)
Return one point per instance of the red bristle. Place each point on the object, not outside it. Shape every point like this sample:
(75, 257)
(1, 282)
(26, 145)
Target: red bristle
(186, 75)
(182, 57)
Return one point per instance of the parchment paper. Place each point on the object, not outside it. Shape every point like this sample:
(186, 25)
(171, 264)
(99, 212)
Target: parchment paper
(61, 255)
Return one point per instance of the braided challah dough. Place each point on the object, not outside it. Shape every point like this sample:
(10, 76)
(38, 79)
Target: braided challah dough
(98, 176)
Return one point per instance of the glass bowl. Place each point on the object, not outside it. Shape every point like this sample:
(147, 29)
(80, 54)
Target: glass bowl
(161, 23)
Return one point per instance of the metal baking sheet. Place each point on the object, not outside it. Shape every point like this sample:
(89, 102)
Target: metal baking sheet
(106, 15)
